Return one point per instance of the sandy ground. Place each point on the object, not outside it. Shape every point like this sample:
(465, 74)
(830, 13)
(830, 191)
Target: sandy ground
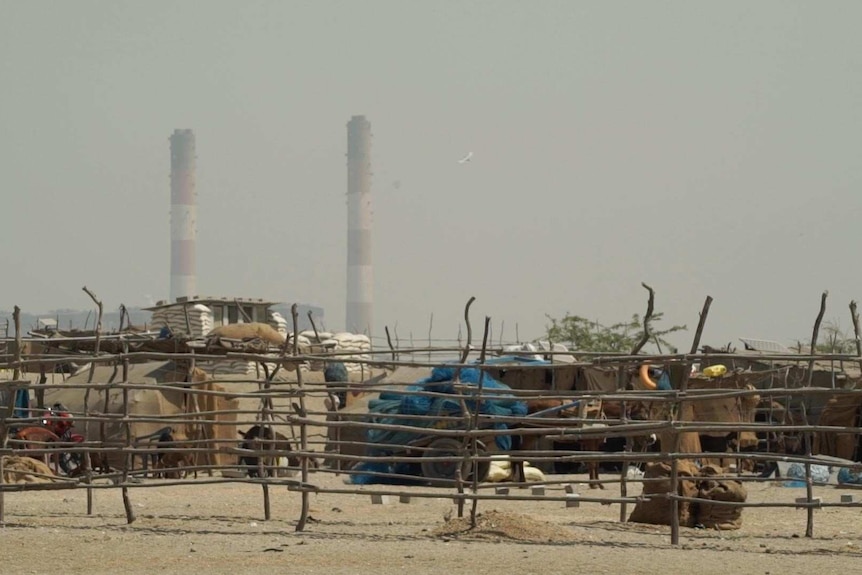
(219, 529)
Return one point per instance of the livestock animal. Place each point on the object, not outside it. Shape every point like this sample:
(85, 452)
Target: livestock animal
(270, 445)
(606, 410)
(172, 462)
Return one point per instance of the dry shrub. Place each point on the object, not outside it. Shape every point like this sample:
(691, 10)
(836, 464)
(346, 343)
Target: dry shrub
(25, 470)
(249, 331)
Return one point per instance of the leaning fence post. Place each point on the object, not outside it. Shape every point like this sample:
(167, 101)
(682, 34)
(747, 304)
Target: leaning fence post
(9, 409)
(128, 458)
(621, 386)
(674, 476)
(465, 353)
(87, 461)
(475, 423)
(303, 429)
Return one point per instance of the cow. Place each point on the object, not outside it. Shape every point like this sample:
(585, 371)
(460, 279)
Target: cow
(271, 445)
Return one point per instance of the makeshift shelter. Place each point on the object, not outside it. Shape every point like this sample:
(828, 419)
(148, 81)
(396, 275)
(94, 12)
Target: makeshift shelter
(177, 400)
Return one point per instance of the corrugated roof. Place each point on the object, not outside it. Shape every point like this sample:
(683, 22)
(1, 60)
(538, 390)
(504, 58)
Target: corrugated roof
(764, 345)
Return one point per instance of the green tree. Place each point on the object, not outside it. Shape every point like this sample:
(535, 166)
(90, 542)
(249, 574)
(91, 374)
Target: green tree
(582, 334)
(833, 339)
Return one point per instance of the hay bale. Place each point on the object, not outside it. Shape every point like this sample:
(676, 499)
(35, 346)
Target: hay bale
(249, 331)
(657, 511)
(25, 470)
(722, 517)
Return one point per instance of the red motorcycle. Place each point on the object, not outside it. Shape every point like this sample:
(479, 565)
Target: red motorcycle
(56, 427)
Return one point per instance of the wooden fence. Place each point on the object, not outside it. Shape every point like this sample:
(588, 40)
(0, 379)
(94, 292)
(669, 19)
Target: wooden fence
(330, 441)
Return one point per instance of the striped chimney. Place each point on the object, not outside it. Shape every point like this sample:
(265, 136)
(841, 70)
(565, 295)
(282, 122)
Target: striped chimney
(360, 281)
(183, 214)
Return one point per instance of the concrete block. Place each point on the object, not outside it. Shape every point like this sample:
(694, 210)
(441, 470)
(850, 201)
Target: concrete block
(379, 499)
(573, 500)
(846, 499)
(804, 501)
(538, 490)
(571, 488)
(501, 490)
(404, 499)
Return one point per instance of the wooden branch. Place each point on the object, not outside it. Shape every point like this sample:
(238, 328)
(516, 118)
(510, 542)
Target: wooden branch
(303, 430)
(696, 341)
(647, 317)
(87, 461)
(389, 341)
(814, 335)
(16, 317)
(475, 423)
(313, 326)
(466, 413)
(9, 409)
(857, 336)
(430, 327)
(98, 328)
(466, 350)
(123, 314)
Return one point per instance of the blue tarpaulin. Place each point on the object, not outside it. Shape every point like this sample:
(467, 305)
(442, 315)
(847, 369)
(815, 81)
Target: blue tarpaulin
(396, 407)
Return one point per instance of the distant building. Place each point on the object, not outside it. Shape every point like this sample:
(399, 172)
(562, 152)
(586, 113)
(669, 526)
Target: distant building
(225, 310)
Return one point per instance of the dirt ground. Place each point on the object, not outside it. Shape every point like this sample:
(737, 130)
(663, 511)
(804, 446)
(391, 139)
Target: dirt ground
(220, 529)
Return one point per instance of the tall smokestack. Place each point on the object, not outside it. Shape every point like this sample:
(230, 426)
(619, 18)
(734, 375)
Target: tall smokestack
(360, 281)
(183, 214)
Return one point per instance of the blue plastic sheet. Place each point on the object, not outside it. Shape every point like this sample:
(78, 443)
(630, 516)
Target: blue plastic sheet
(397, 407)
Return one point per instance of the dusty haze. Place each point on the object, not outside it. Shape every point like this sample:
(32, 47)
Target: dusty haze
(705, 148)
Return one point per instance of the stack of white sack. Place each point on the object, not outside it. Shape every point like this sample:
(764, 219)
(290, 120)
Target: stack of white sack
(277, 321)
(350, 342)
(200, 319)
(321, 342)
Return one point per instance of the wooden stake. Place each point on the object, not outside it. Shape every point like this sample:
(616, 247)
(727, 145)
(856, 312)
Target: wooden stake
(389, 341)
(475, 423)
(127, 460)
(87, 461)
(858, 337)
(455, 379)
(674, 487)
(303, 430)
(813, 349)
(9, 409)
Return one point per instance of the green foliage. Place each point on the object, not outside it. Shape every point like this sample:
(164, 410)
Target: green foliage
(833, 339)
(582, 334)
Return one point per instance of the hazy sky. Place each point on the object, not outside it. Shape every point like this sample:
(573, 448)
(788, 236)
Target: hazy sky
(706, 148)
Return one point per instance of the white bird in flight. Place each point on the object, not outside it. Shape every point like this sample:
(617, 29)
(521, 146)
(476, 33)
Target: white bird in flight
(466, 158)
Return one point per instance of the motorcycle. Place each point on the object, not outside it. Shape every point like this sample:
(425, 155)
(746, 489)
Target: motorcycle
(56, 427)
